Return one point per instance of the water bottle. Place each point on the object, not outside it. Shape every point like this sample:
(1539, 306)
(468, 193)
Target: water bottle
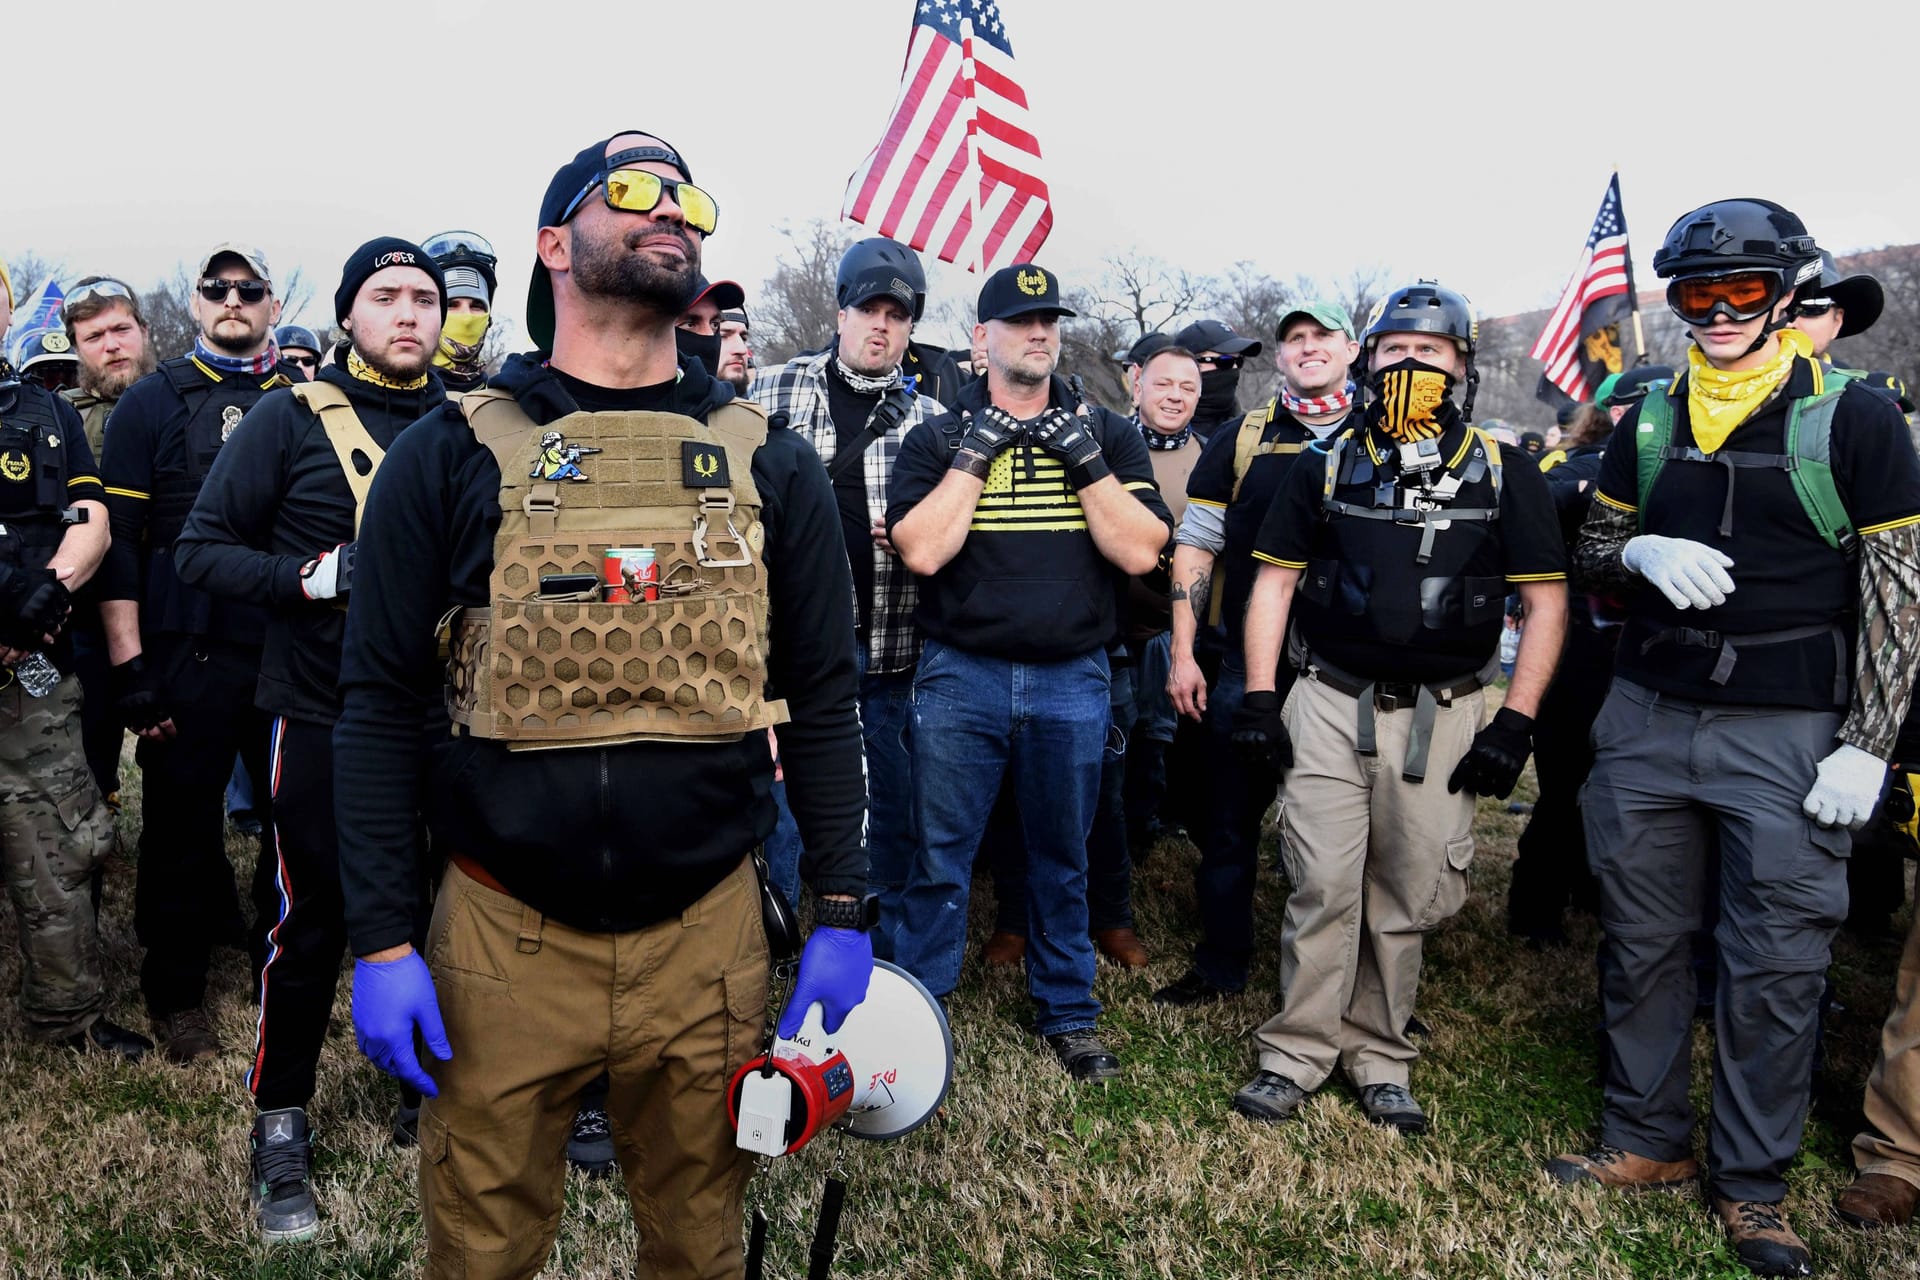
(36, 675)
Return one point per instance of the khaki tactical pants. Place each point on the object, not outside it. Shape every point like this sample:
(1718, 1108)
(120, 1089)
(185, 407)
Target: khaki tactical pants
(1375, 861)
(534, 1010)
(1891, 1142)
(54, 831)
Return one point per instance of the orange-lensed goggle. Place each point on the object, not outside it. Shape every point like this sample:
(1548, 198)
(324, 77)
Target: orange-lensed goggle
(1742, 295)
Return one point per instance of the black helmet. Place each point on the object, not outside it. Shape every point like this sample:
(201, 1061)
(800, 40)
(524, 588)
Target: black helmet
(299, 337)
(1738, 235)
(1426, 307)
(878, 266)
(464, 249)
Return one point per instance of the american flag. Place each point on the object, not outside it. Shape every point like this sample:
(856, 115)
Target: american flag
(955, 173)
(1573, 346)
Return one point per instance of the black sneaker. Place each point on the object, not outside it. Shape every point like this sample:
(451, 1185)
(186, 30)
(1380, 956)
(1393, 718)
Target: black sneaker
(590, 1145)
(1084, 1057)
(1269, 1097)
(1391, 1106)
(1189, 989)
(282, 1189)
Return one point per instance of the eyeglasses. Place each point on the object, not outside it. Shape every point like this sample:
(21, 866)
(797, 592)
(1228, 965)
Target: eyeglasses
(97, 291)
(304, 362)
(639, 190)
(1220, 362)
(1815, 309)
(464, 244)
(250, 291)
(1742, 295)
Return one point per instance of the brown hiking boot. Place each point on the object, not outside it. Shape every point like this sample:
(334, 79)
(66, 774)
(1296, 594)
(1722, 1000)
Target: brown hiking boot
(187, 1036)
(1623, 1170)
(1762, 1239)
(1877, 1200)
(1003, 949)
(1122, 946)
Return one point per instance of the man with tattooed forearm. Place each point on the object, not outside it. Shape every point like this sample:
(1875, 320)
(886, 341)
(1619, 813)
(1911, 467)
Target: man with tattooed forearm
(1760, 516)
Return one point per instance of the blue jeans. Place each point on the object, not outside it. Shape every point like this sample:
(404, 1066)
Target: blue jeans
(1229, 839)
(1109, 860)
(1044, 725)
(886, 705)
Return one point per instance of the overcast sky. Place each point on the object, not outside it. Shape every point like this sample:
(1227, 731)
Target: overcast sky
(1467, 141)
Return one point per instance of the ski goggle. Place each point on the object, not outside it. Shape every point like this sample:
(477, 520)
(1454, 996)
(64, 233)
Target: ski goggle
(251, 291)
(1815, 307)
(459, 244)
(639, 191)
(1742, 295)
(97, 291)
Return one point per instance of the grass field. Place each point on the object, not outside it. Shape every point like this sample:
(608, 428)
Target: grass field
(116, 1171)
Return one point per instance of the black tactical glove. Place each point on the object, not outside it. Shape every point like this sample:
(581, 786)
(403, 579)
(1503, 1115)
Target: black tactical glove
(1499, 752)
(33, 605)
(1260, 734)
(137, 695)
(1069, 437)
(990, 431)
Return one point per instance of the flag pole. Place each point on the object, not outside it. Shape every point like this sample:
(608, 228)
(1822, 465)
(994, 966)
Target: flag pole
(976, 232)
(1633, 293)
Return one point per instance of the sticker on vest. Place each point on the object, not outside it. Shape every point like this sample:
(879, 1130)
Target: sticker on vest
(703, 466)
(229, 419)
(559, 460)
(15, 466)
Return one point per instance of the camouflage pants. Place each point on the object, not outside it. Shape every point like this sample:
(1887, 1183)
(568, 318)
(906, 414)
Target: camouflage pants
(54, 830)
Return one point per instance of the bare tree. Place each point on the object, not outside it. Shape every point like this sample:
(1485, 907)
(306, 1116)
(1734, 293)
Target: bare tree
(169, 316)
(794, 310)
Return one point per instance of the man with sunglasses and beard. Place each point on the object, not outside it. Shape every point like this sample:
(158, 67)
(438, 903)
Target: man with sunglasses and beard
(110, 335)
(275, 526)
(185, 662)
(601, 910)
(1762, 526)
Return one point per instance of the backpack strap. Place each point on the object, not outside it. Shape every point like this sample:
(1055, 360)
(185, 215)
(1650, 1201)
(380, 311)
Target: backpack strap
(1650, 443)
(353, 444)
(1247, 445)
(1810, 445)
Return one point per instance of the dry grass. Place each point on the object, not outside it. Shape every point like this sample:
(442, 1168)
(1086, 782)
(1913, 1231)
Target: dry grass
(112, 1171)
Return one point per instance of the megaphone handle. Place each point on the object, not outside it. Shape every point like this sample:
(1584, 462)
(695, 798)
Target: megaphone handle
(825, 1235)
(756, 1243)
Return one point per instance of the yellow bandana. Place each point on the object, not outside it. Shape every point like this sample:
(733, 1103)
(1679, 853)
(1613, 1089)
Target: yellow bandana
(1719, 401)
(367, 373)
(1409, 399)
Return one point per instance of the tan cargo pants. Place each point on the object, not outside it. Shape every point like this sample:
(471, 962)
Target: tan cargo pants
(1891, 1142)
(534, 1010)
(1375, 861)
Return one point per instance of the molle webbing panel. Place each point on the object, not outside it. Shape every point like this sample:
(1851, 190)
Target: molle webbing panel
(565, 671)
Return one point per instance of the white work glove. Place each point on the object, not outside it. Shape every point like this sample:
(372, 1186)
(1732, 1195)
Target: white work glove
(1690, 574)
(328, 574)
(1846, 787)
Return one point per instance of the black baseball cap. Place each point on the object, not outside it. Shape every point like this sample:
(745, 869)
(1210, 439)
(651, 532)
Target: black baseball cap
(1020, 290)
(1143, 350)
(568, 180)
(725, 293)
(1218, 337)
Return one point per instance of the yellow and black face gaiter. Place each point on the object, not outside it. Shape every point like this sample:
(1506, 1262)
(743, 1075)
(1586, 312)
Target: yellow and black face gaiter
(460, 340)
(1409, 398)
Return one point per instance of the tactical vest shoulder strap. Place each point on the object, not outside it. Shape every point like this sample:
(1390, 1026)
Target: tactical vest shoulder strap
(742, 427)
(1247, 443)
(1496, 468)
(348, 436)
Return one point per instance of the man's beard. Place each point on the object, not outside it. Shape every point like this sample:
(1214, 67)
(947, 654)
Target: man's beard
(613, 269)
(1021, 376)
(397, 368)
(234, 346)
(740, 381)
(111, 386)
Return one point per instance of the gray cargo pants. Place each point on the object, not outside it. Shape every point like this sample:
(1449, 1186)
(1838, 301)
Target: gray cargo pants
(1669, 776)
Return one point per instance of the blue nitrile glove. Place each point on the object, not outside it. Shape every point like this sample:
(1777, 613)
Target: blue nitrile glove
(391, 998)
(834, 971)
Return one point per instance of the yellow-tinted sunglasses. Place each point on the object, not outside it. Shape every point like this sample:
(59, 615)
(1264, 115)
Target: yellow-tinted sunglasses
(639, 190)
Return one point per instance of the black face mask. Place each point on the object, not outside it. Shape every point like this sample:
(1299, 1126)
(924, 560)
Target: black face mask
(703, 346)
(1219, 389)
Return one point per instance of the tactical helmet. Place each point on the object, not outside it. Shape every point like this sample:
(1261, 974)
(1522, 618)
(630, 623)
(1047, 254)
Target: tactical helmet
(40, 346)
(298, 337)
(1738, 235)
(464, 249)
(1424, 307)
(878, 267)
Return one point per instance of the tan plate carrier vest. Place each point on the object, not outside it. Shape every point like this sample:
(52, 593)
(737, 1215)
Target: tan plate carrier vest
(535, 671)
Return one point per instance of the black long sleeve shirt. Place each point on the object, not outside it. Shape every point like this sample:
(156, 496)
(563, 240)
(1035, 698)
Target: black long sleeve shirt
(276, 498)
(601, 838)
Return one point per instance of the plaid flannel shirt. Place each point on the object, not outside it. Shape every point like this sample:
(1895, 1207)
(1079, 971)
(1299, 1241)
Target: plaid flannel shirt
(798, 389)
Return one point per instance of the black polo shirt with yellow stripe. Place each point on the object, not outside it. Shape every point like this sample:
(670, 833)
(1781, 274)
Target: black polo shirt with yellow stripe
(1028, 584)
(1366, 603)
(1785, 576)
